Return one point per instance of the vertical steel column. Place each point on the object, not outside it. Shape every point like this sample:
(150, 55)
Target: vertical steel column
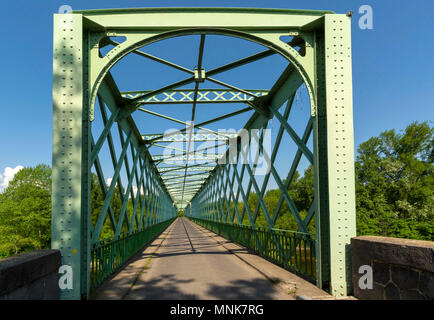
(334, 155)
(71, 152)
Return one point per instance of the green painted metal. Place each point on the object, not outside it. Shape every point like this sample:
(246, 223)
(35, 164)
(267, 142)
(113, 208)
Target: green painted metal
(204, 96)
(174, 120)
(181, 137)
(71, 149)
(193, 168)
(340, 192)
(109, 255)
(209, 192)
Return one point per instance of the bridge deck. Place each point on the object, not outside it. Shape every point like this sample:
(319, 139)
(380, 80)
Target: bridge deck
(186, 262)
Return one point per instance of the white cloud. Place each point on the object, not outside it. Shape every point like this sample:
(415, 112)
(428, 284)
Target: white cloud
(135, 190)
(109, 182)
(8, 175)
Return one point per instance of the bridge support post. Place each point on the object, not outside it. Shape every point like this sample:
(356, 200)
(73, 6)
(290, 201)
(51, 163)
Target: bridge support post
(71, 155)
(334, 155)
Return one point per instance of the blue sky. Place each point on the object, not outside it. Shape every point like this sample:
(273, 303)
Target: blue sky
(392, 67)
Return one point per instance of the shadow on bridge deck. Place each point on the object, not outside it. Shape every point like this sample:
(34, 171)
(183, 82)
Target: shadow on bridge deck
(189, 262)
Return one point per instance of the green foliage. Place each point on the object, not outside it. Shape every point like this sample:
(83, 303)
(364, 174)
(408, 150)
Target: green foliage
(25, 211)
(394, 195)
(395, 184)
(97, 202)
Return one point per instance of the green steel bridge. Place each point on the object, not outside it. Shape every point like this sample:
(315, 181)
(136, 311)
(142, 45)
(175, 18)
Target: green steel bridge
(143, 188)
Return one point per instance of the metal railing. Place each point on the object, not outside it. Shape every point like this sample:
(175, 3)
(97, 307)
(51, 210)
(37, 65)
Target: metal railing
(109, 255)
(294, 251)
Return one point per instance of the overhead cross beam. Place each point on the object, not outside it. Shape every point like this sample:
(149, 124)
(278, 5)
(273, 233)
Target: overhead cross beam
(184, 96)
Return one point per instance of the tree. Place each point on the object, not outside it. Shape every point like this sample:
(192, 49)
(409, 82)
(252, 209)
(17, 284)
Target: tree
(25, 211)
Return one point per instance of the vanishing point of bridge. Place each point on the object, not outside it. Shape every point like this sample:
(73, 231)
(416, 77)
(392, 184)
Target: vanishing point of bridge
(117, 185)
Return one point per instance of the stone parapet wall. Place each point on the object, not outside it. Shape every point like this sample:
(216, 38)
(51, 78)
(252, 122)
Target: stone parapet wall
(30, 276)
(402, 269)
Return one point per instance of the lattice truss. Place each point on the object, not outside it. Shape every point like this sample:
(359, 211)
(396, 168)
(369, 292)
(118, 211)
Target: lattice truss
(132, 201)
(218, 200)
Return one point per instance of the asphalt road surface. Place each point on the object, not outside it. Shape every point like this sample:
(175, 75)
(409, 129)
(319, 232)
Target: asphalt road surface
(192, 265)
